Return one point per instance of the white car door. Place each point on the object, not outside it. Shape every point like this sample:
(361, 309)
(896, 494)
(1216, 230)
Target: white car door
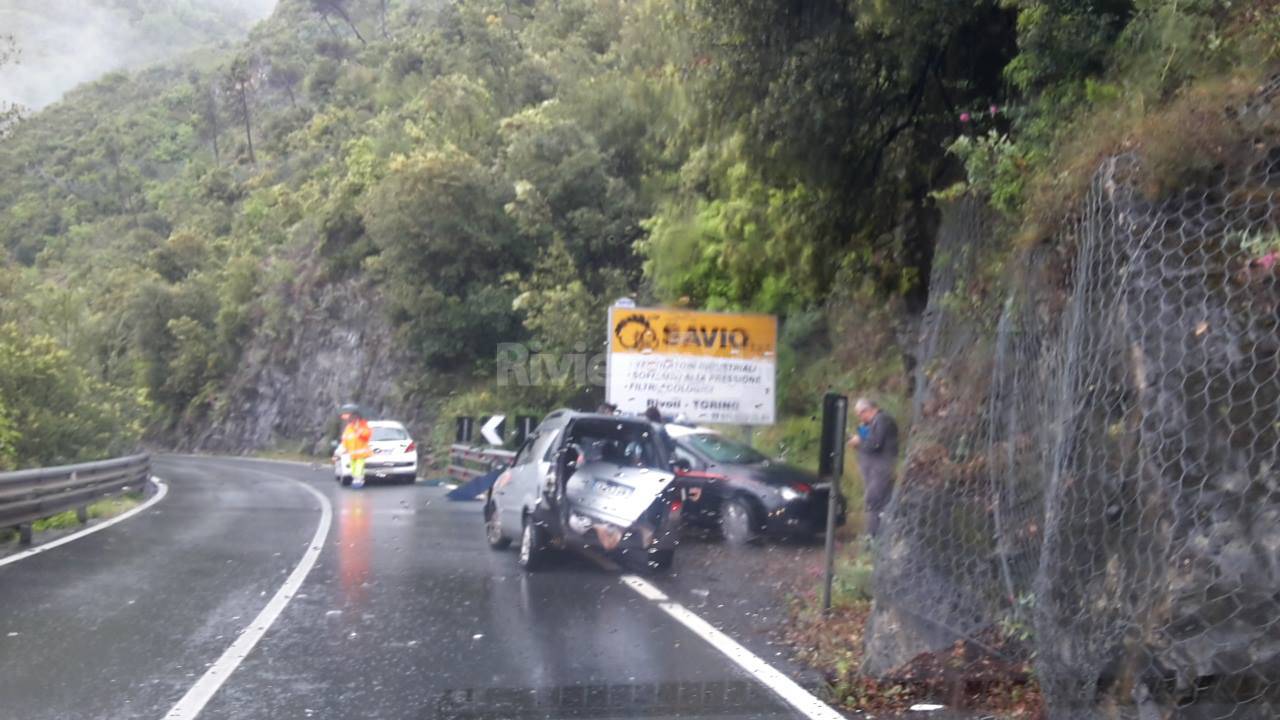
(506, 494)
(528, 477)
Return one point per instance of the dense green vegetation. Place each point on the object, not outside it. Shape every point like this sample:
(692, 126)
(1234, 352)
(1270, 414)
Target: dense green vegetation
(502, 170)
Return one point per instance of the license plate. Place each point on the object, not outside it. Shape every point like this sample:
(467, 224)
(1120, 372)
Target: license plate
(609, 489)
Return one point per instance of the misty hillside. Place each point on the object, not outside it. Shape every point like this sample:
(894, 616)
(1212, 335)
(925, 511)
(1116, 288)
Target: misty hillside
(362, 199)
(63, 43)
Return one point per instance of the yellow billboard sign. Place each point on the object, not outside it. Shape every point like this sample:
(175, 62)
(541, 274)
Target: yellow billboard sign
(689, 332)
(702, 366)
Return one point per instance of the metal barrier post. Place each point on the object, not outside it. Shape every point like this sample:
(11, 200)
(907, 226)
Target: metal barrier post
(835, 410)
(524, 428)
(465, 429)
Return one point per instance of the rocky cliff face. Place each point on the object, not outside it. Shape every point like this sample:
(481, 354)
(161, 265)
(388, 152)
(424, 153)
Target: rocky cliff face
(336, 347)
(1091, 482)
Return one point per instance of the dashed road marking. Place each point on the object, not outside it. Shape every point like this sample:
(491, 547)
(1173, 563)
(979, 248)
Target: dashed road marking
(764, 673)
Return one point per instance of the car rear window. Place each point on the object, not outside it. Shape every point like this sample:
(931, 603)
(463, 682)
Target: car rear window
(723, 450)
(390, 433)
(622, 443)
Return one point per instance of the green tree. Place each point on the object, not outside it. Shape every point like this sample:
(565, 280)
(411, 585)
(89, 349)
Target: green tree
(445, 244)
(239, 83)
(51, 412)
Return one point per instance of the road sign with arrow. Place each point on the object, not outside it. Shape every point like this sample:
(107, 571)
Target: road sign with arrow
(492, 430)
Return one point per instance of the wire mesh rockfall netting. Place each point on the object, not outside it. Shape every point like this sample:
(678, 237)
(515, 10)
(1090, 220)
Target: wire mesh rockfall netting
(1092, 487)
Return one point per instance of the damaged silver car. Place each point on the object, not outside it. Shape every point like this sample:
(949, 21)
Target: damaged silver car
(588, 481)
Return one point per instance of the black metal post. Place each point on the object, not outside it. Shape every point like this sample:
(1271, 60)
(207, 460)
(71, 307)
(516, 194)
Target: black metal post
(525, 425)
(465, 429)
(835, 410)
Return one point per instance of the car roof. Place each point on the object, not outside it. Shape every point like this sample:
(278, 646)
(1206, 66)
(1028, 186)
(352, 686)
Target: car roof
(560, 418)
(562, 415)
(676, 430)
(387, 424)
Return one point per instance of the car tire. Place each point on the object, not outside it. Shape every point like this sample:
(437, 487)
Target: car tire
(345, 481)
(408, 479)
(662, 560)
(533, 545)
(737, 522)
(493, 529)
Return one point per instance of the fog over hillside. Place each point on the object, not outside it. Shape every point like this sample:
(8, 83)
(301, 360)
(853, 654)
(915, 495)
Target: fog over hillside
(63, 43)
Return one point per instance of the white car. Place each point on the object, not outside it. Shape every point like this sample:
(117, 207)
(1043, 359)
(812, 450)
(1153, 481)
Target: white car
(395, 455)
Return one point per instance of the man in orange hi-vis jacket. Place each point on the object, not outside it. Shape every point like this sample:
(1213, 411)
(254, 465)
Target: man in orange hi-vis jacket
(355, 439)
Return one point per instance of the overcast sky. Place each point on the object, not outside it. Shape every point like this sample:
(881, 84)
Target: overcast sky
(63, 43)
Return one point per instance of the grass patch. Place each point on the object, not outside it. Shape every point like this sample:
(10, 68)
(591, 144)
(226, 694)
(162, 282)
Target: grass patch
(1206, 116)
(101, 510)
(285, 454)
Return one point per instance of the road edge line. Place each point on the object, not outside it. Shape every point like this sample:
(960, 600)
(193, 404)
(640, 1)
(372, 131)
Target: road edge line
(162, 489)
(762, 672)
(199, 694)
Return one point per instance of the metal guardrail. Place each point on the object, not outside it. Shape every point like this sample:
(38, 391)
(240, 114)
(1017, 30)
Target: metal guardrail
(467, 462)
(30, 495)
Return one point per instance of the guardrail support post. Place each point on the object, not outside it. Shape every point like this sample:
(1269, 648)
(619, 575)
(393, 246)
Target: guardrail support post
(24, 534)
(82, 514)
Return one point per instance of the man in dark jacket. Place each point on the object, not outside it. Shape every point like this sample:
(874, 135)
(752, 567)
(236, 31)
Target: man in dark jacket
(877, 444)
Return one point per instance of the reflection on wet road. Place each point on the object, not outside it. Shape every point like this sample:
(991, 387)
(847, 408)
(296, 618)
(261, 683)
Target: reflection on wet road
(407, 614)
(354, 547)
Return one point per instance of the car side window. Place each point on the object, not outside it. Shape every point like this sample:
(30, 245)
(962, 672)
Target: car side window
(526, 452)
(679, 452)
(549, 450)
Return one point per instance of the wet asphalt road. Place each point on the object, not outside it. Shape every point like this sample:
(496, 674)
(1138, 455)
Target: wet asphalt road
(407, 614)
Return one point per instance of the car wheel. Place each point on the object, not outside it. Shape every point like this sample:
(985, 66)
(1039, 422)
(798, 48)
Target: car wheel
(493, 530)
(662, 560)
(736, 523)
(533, 545)
(345, 480)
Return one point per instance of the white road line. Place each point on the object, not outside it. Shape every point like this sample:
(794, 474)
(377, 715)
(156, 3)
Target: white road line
(202, 692)
(764, 673)
(646, 590)
(162, 489)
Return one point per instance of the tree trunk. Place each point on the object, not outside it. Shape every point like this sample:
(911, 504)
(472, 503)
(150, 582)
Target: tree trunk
(248, 130)
(212, 111)
(347, 19)
(384, 20)
(333, 30)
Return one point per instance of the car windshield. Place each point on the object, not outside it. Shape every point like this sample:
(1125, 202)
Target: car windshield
(720, 449)
(629, 443)
(389, 434)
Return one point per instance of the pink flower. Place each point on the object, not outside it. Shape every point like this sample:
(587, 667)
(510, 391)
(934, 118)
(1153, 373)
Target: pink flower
(964, 117)
(994, 110)
(1268, 261)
